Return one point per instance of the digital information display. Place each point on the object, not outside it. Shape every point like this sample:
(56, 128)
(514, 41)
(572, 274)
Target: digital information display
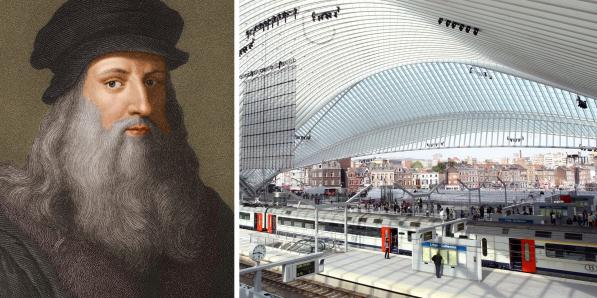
(294, 270)
(305, 268)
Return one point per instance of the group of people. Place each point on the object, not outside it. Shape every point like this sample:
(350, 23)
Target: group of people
(482, 211)
(585, 219)
(446, 213)
(378, 206)
(316, 198)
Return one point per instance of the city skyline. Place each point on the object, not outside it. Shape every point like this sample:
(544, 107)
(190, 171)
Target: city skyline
(480, 154)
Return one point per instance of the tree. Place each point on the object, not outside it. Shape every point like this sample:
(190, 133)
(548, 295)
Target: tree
(417, 165)
(439, 168)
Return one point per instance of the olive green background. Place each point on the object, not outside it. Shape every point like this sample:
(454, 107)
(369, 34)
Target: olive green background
(204, 86)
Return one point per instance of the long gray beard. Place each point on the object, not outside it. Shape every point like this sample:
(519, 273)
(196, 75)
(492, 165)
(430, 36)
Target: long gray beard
(135, 196)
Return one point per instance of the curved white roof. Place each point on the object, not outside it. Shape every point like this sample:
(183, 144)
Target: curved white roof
(386, 76)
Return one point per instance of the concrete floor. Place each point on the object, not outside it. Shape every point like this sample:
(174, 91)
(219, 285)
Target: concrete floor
(369, 271)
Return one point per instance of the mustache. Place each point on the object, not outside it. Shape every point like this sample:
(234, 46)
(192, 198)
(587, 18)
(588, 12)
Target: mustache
(120, 126)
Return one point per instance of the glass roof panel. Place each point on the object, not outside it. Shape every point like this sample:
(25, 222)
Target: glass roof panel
(439, 93)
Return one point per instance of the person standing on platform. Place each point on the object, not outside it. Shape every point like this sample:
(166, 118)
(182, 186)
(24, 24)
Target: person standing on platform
(387, 254)
(437, 260)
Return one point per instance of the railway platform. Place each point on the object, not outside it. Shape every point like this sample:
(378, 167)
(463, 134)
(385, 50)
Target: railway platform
(369, 273)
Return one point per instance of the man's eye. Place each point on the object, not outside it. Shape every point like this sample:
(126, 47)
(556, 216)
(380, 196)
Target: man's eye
(151, 83)
(113, 84)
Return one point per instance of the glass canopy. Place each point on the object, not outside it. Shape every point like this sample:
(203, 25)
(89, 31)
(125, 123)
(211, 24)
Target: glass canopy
(445, 105)
(388, 75)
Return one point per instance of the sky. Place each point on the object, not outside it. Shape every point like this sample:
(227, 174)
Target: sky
(479, 153)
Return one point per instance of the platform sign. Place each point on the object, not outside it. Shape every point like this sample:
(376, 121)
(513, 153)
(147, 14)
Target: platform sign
(515, 220)
(292, 271)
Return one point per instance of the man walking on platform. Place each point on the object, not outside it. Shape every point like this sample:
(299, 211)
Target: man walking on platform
(387, 250)
(437, 260)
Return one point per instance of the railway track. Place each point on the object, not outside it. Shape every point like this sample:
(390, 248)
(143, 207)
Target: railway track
(272, 282)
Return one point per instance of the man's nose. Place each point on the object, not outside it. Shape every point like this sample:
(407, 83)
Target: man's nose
(140, 100)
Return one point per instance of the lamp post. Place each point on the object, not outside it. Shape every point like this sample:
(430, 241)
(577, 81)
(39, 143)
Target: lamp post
(505, 189)
(316, 227)
(346, 214)
(346, 227)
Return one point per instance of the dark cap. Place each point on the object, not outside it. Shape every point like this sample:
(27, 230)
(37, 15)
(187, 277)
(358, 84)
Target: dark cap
(81, 30)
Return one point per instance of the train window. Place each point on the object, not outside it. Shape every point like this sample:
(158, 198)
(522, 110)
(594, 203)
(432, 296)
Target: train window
(333, 227)
(324, 226)
(410, 235)
(448, 230)
(285, 221)
(505, 231)
(543, 234)
(400, 233)
(297, 223)
(460, 227)
(377, 220)
(415, 224)
(245, 216)
(288, 212)
(363, 219)
(570, 252)
(573, 236)
(527, 252)
(349, 218)
(363, 231)
(427, 235)
(484, 246)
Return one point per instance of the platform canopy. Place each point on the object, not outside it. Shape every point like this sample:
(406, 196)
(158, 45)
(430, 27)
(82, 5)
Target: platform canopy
(384, 76)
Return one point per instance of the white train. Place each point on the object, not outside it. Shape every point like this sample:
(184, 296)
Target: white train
(544, 249)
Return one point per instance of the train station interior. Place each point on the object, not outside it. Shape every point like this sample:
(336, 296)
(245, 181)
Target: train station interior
(321, 81)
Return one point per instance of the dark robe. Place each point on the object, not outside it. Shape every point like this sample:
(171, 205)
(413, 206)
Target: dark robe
(34, 262)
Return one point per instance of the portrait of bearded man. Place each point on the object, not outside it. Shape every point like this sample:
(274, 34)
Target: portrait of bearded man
(109, 202)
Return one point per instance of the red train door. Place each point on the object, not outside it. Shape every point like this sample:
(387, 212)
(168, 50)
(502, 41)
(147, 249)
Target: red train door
(271, 223)
(259, 222)
(528, 256)
(386, 234)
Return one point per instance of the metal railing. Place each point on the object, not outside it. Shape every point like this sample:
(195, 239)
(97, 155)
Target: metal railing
(297, 242)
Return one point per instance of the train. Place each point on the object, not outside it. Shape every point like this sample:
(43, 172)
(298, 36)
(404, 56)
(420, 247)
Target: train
(542, 249)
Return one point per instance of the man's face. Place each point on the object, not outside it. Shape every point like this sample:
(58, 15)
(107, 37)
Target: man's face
(132, 191)
(127, 85)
